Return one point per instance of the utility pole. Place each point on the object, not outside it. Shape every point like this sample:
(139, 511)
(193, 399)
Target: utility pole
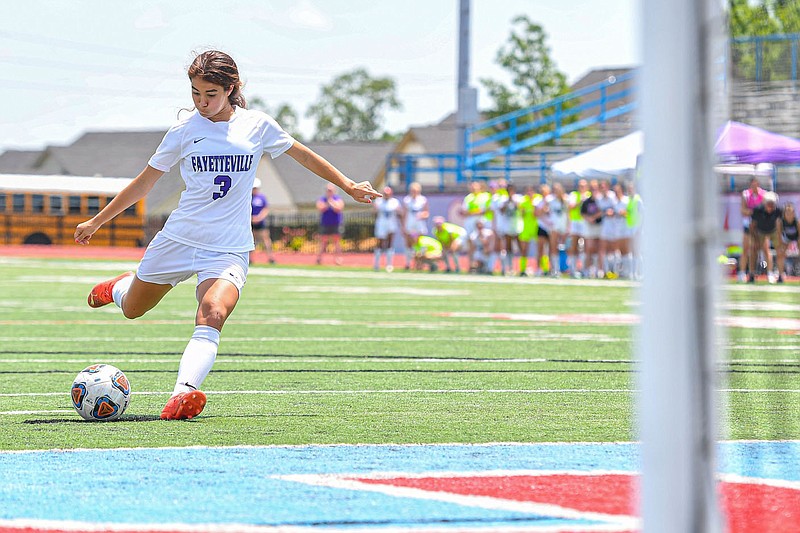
(467, 113)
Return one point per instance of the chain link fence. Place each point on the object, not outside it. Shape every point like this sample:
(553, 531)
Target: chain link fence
(298, 232)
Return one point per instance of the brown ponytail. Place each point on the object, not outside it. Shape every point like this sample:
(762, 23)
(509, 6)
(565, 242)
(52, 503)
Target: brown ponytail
(219, 68)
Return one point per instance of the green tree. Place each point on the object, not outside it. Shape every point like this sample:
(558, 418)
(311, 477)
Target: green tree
(758, 19)
(352, 107)
(284, 114)
(535, 78)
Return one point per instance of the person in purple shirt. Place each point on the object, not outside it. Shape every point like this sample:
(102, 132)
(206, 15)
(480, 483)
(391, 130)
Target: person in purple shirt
(330, 209)
(258, 221)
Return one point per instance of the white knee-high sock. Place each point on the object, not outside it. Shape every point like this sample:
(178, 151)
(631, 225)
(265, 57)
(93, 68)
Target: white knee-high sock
(197, 359)
(120, 289)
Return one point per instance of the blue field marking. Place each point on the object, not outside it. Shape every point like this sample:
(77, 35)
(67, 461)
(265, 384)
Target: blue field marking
(237, 485)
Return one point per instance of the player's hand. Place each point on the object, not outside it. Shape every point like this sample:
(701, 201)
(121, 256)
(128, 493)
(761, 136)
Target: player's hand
(364, 193)
(84, 231)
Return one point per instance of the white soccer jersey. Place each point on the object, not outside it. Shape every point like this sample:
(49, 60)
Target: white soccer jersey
(558, 214)
(387, 216)
(218, 164)
(413, 207)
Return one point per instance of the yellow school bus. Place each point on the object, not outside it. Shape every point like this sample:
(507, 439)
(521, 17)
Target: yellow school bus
(38, 209)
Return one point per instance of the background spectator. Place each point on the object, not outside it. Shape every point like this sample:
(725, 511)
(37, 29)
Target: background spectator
(260, 210)
(331, 211)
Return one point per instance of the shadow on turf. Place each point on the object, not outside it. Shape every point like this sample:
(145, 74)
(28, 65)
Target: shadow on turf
(132, 418)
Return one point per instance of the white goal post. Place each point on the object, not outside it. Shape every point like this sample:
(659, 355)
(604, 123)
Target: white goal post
(682, 103)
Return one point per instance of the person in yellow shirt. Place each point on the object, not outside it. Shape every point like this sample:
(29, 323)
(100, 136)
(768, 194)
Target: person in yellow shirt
(577, 227)
(427, 252)
(530, 227)
(474, 205)
(453, 239)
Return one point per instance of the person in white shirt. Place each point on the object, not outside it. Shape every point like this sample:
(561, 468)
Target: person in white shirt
(218, 147)
(481, 246)
(508, 226)
(557, 206)
(415, 215)
(607, 202)
(387, 222)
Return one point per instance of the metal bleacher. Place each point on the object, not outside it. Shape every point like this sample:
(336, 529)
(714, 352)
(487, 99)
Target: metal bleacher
(522, 145)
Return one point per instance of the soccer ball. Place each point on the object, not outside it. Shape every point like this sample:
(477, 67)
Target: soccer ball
(101, 392)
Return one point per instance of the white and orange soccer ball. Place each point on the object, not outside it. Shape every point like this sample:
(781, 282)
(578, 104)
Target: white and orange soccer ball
(101, 392)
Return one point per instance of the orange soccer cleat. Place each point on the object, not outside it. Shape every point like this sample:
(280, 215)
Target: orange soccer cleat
(184, 405)
(101, 293)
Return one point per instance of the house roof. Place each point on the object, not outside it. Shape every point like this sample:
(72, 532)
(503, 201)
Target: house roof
(108, 153)
(14, 161)
(598, 75)
(359, 161)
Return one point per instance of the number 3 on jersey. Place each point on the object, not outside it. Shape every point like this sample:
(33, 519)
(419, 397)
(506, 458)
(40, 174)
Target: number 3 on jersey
(224, 183)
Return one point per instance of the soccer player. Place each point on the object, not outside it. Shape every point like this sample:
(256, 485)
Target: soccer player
(427, 252)
(557, 211)
(260, 210)
(577, 227)
(453, 239)
(481, 247)
(387, 222)
(752, 197)
(218, 146)
(508, 226)
(415, 215)
(790, 233)
(764, 228)
(593, 217)
(530, 227)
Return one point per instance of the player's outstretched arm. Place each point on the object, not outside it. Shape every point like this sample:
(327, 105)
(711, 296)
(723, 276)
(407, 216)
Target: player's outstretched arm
(361, 192)
(135, 191)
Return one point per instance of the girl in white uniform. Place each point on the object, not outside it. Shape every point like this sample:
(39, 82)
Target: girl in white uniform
(557, 204)
(415, 219)
(387, 222)
(218, 147)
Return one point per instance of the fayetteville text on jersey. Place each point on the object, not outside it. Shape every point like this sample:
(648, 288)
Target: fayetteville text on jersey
(221, 163)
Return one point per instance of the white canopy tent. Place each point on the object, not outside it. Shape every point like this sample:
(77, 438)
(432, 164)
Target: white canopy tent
(614, 159)
(620, 157)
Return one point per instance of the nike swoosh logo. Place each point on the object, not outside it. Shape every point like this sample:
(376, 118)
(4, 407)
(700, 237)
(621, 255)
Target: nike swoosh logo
(198, 140)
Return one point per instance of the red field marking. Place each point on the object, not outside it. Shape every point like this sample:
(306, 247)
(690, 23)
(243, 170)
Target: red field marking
(606, 493)
(135, 254)
(748, 506)
(88, 529)
(755, 508)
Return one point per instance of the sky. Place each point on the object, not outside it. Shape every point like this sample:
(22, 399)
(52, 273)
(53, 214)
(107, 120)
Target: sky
(68, 67)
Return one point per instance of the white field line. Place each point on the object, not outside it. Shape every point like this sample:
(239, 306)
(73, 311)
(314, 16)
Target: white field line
(347, 392)
(745, 480)
(44, 412)
(626, 319)
(343, 392)
(365, 339)
(257, 359)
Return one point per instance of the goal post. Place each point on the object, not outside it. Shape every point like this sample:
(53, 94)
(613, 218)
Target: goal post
(682, 104)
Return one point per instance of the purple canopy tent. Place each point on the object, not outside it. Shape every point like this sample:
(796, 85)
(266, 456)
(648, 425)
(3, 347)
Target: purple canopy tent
(741, 143)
